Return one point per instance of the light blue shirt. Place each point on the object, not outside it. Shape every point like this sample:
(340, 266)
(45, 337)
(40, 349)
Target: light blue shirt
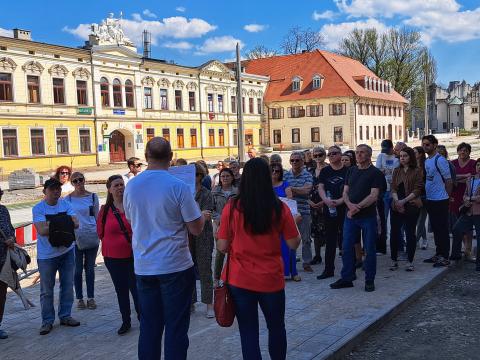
(44, 249)
(158, 205)
(434, 186)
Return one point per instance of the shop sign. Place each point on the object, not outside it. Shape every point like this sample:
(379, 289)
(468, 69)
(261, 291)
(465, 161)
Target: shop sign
(85, 111)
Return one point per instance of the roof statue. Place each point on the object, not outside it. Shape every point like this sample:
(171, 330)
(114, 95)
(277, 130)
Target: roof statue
(109, 32)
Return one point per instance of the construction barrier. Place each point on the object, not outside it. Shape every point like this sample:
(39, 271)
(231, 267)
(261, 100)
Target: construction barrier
(26, 234)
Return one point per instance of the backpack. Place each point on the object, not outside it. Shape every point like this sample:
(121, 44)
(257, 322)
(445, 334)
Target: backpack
(61, 230)
(453, 173)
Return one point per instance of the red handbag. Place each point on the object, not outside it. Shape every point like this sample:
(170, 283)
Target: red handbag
(223, 302)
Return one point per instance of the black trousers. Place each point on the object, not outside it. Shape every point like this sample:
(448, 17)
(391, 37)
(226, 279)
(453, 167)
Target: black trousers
(123, 277)
(3, 298)
(381, 244)
(334, 236)
(409, 221)
(438, 215)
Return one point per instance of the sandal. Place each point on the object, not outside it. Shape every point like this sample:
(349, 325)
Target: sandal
(394, 266)
(296, 278)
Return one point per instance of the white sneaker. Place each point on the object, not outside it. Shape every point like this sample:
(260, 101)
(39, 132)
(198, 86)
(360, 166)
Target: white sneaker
(424, 244)
(210, 314)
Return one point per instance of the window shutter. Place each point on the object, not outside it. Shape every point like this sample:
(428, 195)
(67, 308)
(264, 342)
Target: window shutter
(270, 113)
(330, 109)
(308, 110)
(344, 109)
(301, 112)
(282, 113)
(289, 112)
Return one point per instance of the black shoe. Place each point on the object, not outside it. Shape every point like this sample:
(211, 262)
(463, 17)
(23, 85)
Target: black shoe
(359, 264)
(431, 260)
(3, 334)
(124, 329)
(316, 260)
(442, 263)
(369, 286)
(45, 329)
(341, 284)
(324, 275)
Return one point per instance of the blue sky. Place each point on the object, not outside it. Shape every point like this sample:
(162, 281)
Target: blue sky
(192, 32)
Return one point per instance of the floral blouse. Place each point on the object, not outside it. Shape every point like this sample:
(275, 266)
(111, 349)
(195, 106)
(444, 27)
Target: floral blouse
(8, 230)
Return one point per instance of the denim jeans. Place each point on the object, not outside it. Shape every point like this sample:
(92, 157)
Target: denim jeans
(305, 232)
(351, 231)
(463, 225)
(165, 305)
(85, 259)
(246, 310)
(65, 265)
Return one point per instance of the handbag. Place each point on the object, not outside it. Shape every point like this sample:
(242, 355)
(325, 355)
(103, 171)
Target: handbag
(463, 209)
(19, 258)
(223, 305)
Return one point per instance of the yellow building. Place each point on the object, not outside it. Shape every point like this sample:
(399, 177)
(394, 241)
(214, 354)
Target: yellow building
(101, 103)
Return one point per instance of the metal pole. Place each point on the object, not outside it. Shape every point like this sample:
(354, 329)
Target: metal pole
(478, 110)
(240, 130)
(426, 103)
(94, 99)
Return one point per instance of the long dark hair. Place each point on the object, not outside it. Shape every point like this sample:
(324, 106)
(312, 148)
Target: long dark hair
(278, 167)
(422, 156)
(109, 201)
(412, 160)
(351, 154)
(257, 199)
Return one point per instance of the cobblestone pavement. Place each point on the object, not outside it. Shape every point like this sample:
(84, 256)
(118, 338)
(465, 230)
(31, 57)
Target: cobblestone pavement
(442, 324)
(318, 320)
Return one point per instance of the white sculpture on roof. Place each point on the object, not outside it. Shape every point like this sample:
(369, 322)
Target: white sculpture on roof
(110, 32)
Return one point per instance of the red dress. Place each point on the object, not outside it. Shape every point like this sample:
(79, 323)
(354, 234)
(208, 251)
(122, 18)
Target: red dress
(459, 189)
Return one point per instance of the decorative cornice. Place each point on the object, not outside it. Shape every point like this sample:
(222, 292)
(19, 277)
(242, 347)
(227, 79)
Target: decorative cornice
(7, 64)
(58, 70)
(164, 82)
(33, 67)
(81, 73)
(148, 80)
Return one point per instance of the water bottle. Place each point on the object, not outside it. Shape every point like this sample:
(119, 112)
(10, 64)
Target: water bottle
(331, 210)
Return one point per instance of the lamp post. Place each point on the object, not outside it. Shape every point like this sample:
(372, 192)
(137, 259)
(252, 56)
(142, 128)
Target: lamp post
(241, 136)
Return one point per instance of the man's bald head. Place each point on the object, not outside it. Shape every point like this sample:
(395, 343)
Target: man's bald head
(158, 150)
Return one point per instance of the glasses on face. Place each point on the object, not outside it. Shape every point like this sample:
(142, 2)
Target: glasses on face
(316, 156)
(295, 160)
(78, 180)
(333, 153)
(138, 165)
(64, 173)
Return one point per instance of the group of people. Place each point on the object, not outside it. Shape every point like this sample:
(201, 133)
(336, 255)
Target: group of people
(157, 237)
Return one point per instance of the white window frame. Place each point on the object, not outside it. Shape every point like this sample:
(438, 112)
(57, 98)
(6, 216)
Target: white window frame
(80, 141)
(69, 152)
(18, 142)
(30, 140)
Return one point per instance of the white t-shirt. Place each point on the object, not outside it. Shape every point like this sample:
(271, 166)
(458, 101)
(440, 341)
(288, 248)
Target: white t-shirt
(434, 185)
(386, 164)
(158, 205)
(127, 177)
(44, 249)
(67, 188)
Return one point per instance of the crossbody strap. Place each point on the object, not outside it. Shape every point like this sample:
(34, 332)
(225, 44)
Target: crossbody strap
(230, 234)
(120, 222)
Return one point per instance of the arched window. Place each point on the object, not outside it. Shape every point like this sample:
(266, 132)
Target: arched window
(104, 92)
(117, 93)
(129, 94)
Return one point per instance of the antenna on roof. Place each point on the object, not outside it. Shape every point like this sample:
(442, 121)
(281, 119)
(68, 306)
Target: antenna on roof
(147, 43)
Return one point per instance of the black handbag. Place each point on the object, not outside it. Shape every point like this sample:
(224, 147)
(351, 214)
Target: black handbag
(464, 209)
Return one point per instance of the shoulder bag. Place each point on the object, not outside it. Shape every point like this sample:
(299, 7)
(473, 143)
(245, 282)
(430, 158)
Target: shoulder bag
(123, 228)
(223, 302)
(463, 209)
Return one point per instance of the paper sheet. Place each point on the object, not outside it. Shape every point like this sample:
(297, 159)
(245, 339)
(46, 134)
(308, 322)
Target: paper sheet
(292, 205)
(186, 173)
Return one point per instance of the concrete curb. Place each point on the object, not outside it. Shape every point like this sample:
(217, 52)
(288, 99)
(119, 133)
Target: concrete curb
(344, 348)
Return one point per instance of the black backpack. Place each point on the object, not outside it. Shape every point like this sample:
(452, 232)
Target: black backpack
(61, 230)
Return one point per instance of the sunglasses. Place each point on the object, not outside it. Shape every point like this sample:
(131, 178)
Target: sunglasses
(64, 173)
(275, 171)
(78, 180)
(295, 160)
(318, 156)
(138, 165)
(333, 153)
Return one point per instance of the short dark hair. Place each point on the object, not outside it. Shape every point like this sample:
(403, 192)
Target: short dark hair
(430, 138)
(279, 167)
(132, 160)
(464, 145)
(387, 143)
(412, 161)
(158, 149)
(221, 172)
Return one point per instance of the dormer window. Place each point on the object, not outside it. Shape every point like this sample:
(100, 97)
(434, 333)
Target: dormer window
(317, 81)
(296, 83)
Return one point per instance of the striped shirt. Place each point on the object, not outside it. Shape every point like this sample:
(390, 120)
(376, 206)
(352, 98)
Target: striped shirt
(299, 181)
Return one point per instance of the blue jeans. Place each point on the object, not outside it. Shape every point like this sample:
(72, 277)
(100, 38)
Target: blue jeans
(85, 259)
(48, 268)
(351, 230)
(246, 310)
(165, 302)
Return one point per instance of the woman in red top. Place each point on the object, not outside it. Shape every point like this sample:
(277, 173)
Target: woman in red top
(116, 234)
(250, 230)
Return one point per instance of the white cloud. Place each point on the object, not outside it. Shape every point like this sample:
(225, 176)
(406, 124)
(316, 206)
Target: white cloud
(149, 14)
(219, 44)
(326, 15)
(334, 33)
(6, 32)
(181, 45)
(254, 28)
(177, 27)
(181, 8)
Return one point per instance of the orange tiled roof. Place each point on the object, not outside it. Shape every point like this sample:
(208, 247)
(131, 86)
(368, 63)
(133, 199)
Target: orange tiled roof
(341, 74)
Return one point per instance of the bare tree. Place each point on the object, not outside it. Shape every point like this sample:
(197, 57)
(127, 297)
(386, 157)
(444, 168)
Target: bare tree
(259, 52)
(298, 39)
(355, 45)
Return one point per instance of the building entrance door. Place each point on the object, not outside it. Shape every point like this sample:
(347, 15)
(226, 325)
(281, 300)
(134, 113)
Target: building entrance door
(117, 147)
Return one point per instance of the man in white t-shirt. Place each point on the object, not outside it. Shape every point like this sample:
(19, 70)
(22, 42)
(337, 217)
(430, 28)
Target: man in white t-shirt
(52, 259)
(162, 211)
(134, 168)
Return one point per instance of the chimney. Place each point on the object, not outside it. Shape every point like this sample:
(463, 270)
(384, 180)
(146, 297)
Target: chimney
(22, 34)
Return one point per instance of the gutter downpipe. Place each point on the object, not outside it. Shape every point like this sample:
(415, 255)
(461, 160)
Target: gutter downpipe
(94, 99)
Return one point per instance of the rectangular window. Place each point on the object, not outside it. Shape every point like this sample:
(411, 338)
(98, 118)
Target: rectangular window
(374, 132)
(33, 84)
(475, 124)
(296, 136)
(367, 134)
(233, 101)
(193, 138)
(37, 142)
(164, 99)
(178, 100)
(129, 94)
(85, 146)
(338, 134)
(374, 107)
(394, 111)
(400, 135)
(243, 104)
(6, 87)
(147, 97)
(117, 93)
(360, 109)
(474, 110)
(180, 139)
(259, 106)
(250, 106)
(166, 134)
(360, 132)
(315, 134)
(58, 91)
(211, 137)
(235, 137)
(338, 109)
(10, 142)
(220, 103)
(62, 141)
(276, 113)
(368, 109)
(277, 136)
(210, 102)
(150, 134)
(191, 100)
(389, 111)
(314, 110)
(81, 92)
(383, 132)
(221, 137)
(295, 112)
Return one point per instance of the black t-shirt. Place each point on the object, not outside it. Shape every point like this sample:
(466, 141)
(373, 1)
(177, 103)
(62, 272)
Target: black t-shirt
(360, 183)
(333, 181)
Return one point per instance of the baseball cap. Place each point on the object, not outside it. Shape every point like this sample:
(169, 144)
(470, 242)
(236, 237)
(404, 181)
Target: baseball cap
(52, 183)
